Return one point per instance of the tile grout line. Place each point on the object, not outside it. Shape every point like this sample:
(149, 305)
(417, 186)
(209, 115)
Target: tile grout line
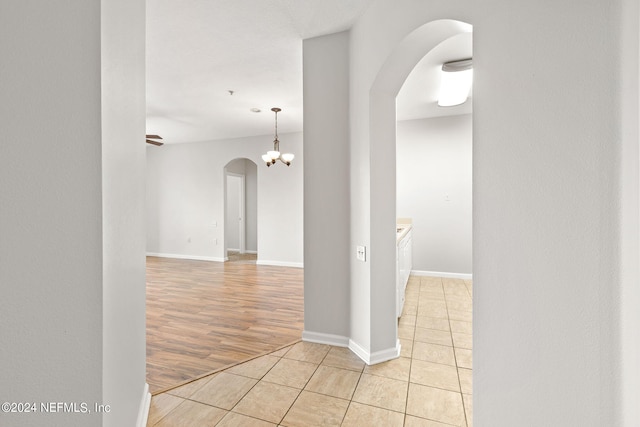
(413, 343)
(353, 394)
(165, 415)
(217, 407)
(305, 385)
(251, 388)
(455, 357)
(258, 382)
(411, 363)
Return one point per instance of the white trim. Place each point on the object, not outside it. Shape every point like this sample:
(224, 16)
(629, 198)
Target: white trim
(378, 356)
(233, 249)
(384, 355)
(321, 338)
(143, 409)
(251, 252)
(280, 263)
(193, 257)
(442, 274)
(359, 351)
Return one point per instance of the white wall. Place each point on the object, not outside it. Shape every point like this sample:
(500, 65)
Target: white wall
(630, 192)
(185, 195)
(62, 303)
(50, 215)
(548, 139)
(433, 164)
(251, 205)
(327, 249)
(123, 189)
(546, 214)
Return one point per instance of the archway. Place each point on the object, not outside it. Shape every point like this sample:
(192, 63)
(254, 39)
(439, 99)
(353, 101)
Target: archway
(434, 171)
(382, 133)
(241, 210)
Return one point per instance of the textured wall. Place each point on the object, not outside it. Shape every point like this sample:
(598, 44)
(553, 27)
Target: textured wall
(51, 208)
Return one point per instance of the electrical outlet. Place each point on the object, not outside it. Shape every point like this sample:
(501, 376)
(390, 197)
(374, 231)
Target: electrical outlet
(361, 253)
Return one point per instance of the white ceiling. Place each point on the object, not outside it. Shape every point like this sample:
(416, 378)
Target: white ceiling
(198, 51)
(418, 97)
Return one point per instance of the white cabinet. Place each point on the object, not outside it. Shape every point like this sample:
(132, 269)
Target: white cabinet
(404, 265)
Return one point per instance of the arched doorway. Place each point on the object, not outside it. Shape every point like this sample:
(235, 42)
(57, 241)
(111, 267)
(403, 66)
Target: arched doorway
(241, 210)
(434, 164)
(382, 146)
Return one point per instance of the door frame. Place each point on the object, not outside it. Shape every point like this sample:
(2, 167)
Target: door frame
(242, 210)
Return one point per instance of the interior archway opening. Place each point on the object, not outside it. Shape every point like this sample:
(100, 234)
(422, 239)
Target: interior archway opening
(241, 210)
(434, 171)
(383, 194)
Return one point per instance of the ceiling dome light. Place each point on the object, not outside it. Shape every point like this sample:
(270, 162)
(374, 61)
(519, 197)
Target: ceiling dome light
(455, 82)
(273, 155)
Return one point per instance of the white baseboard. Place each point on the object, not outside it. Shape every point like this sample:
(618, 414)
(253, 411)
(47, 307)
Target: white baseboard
(280, 263)
(251, 252)
(321, 338)
(442, 274)
(143, 409)
(359, 351)
(376, 357)
(193, 257)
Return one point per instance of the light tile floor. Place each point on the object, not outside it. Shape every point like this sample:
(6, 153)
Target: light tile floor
(318, 385)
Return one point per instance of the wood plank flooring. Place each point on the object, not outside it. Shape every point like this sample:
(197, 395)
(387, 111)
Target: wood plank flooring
(203, 316)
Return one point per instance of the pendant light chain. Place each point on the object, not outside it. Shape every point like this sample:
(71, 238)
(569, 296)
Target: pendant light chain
(276, 141)
(276, 111)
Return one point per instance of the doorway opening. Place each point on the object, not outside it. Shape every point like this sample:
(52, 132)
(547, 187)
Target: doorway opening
(437, 311)
(241, 211)
(434, 165)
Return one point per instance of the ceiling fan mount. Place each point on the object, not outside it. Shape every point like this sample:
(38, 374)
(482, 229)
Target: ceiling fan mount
(150, 140)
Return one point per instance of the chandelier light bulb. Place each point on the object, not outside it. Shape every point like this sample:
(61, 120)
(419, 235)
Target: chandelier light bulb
(275, 155)
(287, 158)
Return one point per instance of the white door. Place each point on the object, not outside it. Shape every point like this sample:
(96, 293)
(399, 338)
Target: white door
(234, 224)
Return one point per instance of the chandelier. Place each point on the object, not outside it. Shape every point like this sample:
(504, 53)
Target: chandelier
(273, 155)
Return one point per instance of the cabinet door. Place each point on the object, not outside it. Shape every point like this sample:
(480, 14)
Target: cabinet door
(409, 254)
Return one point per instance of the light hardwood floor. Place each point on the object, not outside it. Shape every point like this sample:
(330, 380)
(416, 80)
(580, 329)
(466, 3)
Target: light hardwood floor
(203, 316)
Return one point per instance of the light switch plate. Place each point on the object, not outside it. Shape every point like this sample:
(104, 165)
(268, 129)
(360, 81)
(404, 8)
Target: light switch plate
(361, 253)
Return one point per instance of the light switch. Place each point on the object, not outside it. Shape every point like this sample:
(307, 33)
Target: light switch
(361, 253)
